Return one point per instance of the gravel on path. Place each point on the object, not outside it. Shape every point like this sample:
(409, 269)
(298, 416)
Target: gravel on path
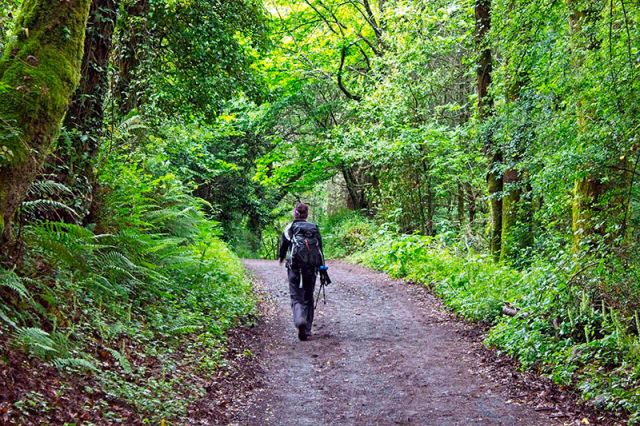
(382, 353)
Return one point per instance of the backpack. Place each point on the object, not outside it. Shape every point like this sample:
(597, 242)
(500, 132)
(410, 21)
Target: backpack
(305, 249)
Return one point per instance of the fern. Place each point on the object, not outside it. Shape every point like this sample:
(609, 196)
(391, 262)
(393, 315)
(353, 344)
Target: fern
(99, 282)
(10, 280)
(122, 360)
(35, 341)
(63, 242)
(5, 317)
(75, 364)
(114, 258)
(47, 187)
(184, 329)
(45, 206)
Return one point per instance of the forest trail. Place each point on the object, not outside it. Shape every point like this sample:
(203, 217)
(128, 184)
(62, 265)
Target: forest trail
(382, 352)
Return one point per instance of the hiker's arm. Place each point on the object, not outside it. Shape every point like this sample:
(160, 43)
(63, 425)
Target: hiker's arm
(284, 247)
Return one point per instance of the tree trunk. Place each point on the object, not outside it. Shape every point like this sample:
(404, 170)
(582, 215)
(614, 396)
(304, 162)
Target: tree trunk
(38, 74)
(357, 194)
(471, 203)
(420, 203)
(598, 200)
(485, 110)
(517, 232)
(460, 204)
(84, 119)
(516, 202)
(495, 183)
(129, 48)
(431, 196)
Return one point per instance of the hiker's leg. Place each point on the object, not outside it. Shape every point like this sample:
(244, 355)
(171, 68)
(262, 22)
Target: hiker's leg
(297, 298)
(309, 284)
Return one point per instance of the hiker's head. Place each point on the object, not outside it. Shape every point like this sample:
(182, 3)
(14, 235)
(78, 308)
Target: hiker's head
(301, 211)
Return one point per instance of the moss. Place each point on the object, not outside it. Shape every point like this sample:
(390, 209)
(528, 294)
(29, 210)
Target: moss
(39, 72)
(509, 222)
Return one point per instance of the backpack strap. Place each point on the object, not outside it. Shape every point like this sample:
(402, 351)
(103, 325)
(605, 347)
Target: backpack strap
(288, 232)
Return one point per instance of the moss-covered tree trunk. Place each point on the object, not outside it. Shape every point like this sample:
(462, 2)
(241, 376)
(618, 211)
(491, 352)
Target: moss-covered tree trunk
(74, 160)
(598, 197)
(471, 203)
(517, 232)
(460, 204)
(586, 190)
(132, 36)
(485, 110)
(39, 72)
(495, 184)
(517, 220)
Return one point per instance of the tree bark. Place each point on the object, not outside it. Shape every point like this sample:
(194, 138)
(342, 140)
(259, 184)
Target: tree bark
(598, 200)
(84, 119)
(460, 204)
(495, 185)
(485, 110)
(38, 75)
(517, 232)
(357, 194)
(471, 203)
(129, 48)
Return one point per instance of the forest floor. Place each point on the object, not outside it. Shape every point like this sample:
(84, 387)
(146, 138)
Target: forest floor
(384, 352)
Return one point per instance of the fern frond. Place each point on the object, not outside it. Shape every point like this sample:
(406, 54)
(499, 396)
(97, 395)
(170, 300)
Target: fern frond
(185, 329)
(122, 360)
(47, 187)
(10, 280)
(75, 364)
(63, 242)
(35, 341)
(116, 259)
(44, 206)
(101, 283)
(4, 317)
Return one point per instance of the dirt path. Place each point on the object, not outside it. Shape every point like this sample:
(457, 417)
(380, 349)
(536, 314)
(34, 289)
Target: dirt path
(382, 352)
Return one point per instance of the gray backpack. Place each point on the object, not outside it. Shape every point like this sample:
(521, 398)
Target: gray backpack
(305, 251)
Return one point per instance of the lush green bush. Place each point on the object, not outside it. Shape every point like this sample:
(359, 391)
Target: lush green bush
(561, 329)
(345, 233)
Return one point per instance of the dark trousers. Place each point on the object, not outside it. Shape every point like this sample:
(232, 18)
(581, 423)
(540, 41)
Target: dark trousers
(302, 296)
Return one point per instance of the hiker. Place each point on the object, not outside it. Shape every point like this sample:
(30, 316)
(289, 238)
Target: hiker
(302, 248)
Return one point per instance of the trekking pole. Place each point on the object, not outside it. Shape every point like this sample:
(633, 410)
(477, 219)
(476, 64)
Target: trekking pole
(320, 290)
(324, 281)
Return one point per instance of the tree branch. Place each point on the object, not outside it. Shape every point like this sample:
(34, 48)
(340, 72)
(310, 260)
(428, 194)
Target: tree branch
(347, 93)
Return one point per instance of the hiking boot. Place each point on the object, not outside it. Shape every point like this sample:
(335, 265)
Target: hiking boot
(302, 333)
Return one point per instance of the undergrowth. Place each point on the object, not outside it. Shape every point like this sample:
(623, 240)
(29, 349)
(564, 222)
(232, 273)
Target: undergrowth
(138, 306)
(564, 327)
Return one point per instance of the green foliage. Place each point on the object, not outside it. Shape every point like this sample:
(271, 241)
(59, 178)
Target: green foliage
(346, 233)
(221, 114)
(155, 275)
(206, 49)
(8, 8)
(9, 279)
(75, 365)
